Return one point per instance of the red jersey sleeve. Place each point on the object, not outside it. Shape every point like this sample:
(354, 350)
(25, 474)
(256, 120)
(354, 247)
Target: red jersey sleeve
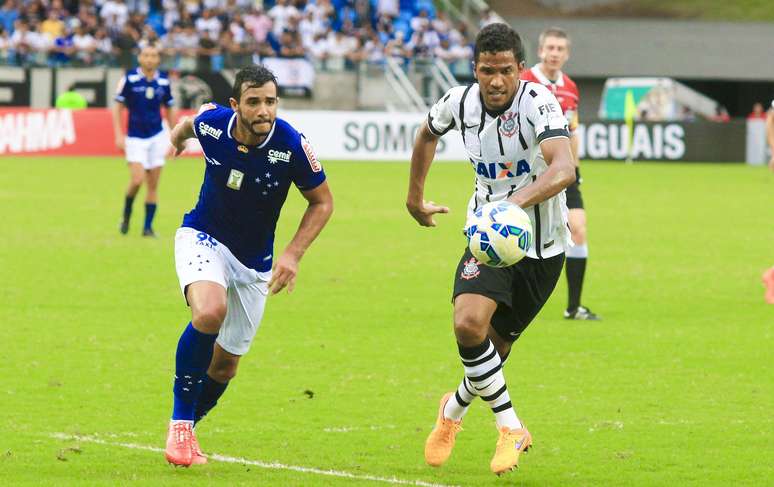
(571, 102)
(572, 88)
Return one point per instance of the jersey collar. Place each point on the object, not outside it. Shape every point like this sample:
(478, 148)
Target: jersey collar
(230, 124)
(262, 144)
(544, 79)
(268, 137)
(509, 107)
(142, 75)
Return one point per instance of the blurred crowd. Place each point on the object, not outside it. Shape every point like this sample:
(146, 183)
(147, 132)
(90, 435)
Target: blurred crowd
(209, 35)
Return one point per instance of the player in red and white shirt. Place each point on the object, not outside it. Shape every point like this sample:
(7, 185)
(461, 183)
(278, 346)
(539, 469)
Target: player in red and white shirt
(770, 133)
(554, 51)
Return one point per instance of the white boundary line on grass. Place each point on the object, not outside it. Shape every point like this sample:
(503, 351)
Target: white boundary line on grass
(256, 463)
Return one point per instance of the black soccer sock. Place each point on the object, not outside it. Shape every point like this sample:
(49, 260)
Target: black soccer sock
(128, 201)
(208, 398)
(575, 269)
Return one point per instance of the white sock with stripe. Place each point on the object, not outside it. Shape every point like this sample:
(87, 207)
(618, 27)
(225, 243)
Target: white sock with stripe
(457, 405)
(483, 371)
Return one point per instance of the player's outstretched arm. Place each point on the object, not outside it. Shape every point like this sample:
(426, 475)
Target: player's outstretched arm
(118, 130)
(318, 211)
(421, 159)
(171, 115)
(182, 132)
(560, 174)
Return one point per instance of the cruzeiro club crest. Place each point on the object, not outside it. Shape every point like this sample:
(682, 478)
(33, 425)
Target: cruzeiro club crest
(508, 124)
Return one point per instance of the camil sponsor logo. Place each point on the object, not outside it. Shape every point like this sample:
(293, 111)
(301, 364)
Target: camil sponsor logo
(36, 131)
(205, 129)
(276, 156)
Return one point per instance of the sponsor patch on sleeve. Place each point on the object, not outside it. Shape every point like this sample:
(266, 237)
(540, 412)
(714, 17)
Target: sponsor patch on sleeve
(311, 156)
(205, 107)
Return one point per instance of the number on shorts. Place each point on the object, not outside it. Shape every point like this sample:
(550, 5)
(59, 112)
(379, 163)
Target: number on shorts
(203, 236)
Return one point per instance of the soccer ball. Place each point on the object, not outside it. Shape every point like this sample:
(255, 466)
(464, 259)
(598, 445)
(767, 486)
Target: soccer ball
(499, 234)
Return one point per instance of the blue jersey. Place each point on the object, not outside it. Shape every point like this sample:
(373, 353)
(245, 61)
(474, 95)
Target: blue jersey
(62, 42)
(144, 97)
(245, 187)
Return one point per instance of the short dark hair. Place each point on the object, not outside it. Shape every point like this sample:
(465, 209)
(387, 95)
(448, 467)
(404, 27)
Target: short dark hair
(255, 76)
(498, 37)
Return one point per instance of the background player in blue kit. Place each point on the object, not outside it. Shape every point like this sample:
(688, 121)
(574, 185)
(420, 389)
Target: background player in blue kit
(143, 91)
(224, 249)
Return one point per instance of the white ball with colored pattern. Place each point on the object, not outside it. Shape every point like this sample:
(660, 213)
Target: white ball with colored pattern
(499, 234)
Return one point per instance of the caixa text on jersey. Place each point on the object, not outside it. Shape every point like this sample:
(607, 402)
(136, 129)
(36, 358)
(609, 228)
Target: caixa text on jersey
(501, 170)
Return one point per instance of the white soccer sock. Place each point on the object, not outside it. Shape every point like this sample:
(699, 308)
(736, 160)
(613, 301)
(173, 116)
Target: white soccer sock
(577, 252)
(457, 405)
(484, 372)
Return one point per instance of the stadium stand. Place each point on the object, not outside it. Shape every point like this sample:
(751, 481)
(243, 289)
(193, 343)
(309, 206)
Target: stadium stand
(211, 35)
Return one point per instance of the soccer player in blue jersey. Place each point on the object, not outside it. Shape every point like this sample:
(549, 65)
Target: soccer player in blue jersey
(224, 248)
(143, 91)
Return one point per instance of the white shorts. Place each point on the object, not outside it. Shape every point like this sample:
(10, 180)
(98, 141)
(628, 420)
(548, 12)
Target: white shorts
(199, 257)
(149, 152)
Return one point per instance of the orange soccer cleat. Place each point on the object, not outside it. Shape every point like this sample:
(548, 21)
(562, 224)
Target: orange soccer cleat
(440, 443)
(179, 450)
(509, 446)
(197, 457)
(768, 281)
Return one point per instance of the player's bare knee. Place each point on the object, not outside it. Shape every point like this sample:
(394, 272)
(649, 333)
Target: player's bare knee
(223, 370)
(223, 375)
(469, 328)
(209, 317)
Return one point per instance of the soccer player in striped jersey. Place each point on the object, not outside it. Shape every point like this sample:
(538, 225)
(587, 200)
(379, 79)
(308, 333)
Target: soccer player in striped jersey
(516, 139)
(143, 91)
(553, 52)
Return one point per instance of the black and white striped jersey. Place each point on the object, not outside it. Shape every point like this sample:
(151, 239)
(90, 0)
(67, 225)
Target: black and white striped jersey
(504, 149)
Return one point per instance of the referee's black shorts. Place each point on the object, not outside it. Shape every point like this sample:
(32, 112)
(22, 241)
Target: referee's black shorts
(574, 198)
(520, 290)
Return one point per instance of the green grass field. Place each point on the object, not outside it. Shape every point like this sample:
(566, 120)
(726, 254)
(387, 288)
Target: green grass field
(674, 387)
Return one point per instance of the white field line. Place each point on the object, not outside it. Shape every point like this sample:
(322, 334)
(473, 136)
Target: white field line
(348, 429)
(256, 463)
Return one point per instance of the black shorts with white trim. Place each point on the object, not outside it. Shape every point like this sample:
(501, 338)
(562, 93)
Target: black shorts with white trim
(574, 197)
(520, 290)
